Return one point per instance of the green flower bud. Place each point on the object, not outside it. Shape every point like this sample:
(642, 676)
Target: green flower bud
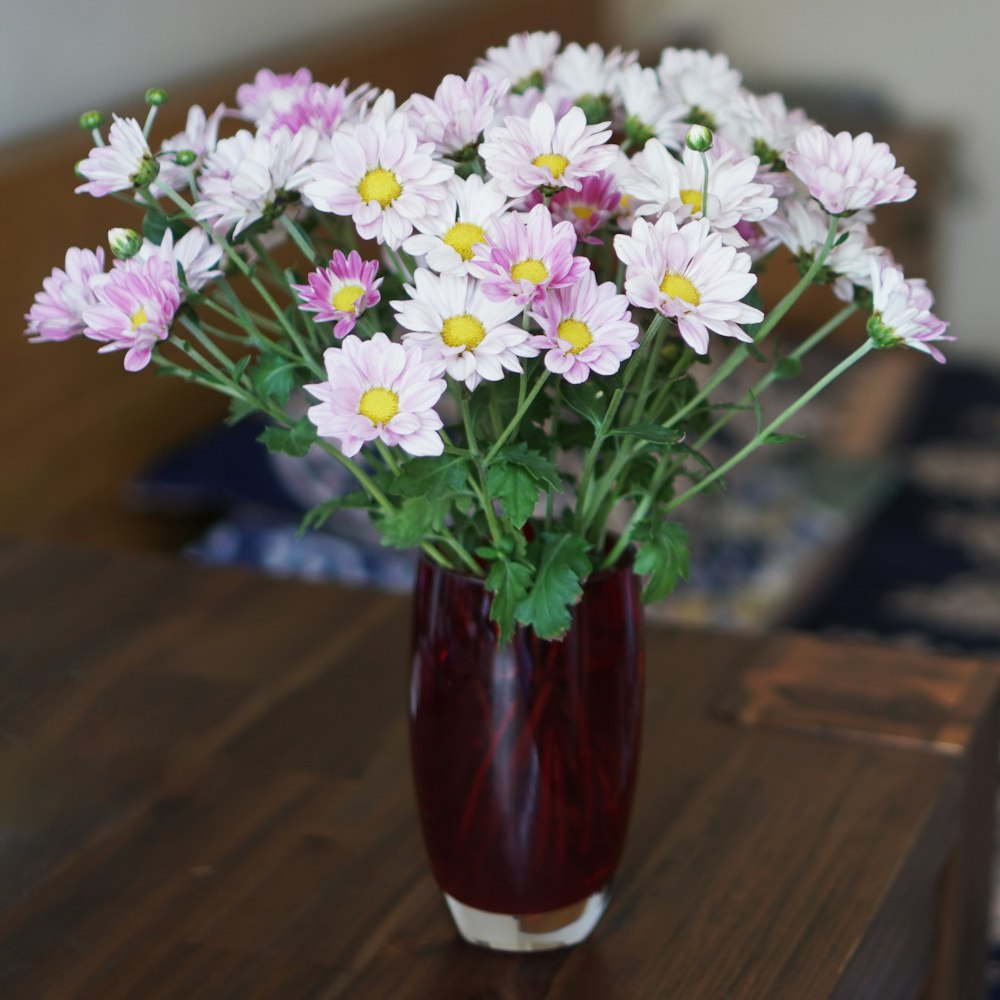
(90, 120)
(124, 243)
(155, 97)
(882, 335)
(699, 138)
(185, 157)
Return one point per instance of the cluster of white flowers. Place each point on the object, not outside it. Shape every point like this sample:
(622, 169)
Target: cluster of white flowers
(547, 203)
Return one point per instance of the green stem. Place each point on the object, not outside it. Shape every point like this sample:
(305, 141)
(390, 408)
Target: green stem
(300, 239)
(478, 482)
(761, 436)
(518, 415)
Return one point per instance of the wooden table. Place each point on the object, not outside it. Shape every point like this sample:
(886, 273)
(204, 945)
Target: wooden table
(204, 793)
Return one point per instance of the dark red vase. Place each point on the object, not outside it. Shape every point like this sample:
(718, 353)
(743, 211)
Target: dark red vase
(525, 757)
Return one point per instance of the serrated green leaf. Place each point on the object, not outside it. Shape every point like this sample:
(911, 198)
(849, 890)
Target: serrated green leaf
(539, 465)
(295, 440)
(412, 522)
(274, 377)
(664, 558)
(563, 563)
(508, 582)
(431, 477)
(516, 489)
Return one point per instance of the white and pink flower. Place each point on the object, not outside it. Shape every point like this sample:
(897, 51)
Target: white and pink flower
(57, 312)
(688, 274)
(540, 152)
(248, 176)
(460, 330)
(585, 328)
(525, 61)
(135, 305)
(376, 389)
(460, 112)
(382, 176)
(845, 173)
(126, 162)
(200, 136)
(525, 255)
(271, 94)
(592, 207)
(901, 311)
(194, 253)
(340, 293)
(321, 108)
(704, 82)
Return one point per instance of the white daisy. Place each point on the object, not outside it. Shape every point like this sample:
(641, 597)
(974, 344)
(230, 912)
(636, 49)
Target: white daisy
(690, 276)
(528, 153)
(446, 241)
(125, 162)
(200, 136)
(382, 176)
(647, 111)
(459, 113)
(901, 311)
(462, 331)
(525, 61)
(704, 82)
(659, 182)
(588, 76)
(194, 253)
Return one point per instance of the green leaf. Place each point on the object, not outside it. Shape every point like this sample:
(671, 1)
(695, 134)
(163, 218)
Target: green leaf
(433, 478)
(508, 582)
(318, 515)
(563, 562)
(412, 522)
(295, 440)
(653, 433)
(664, 557)
(274, 376)
(535, 462)
(782, 438)
(240, 409)
(589, 401)
(516, 489)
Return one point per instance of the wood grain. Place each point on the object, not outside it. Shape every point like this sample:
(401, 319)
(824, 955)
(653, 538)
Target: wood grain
(204, 793)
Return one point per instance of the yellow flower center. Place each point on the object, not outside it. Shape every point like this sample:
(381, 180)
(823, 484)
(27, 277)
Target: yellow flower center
(556, 162)
(139, 317)
(463, 331)
(463, 236)
(577, 333)
(530, 270)
(379, 405)
(380, 185)
(676, 286)
(692, 198)
(584, 212)
(344, 300)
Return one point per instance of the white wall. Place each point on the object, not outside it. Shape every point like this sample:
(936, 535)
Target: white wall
(933, 62)
(61, 57)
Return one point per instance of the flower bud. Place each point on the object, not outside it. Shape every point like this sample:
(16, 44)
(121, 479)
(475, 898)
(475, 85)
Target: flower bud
(699, 138)
(155, 97)
(185, 157)
(90, 120)
(124, 243)
(146, 174)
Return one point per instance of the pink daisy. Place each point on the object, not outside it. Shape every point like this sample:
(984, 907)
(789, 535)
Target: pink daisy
(341, 292)
(136, 303)
(382, 176)
(320, 107)
(596, 203)
(690, 276)
(271, 94)
(538, 152)
(586, 328)
(901, 311)
(126, 161)
(378, 389)
(526, 255)
(57, 313)
(845, 173)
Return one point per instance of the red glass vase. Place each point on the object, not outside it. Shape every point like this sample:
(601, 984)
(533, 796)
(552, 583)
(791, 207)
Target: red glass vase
(525, 757)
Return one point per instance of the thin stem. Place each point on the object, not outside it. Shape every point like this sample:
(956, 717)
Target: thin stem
(761, 436)
(300, 239)
(479, 484)
(518, 415)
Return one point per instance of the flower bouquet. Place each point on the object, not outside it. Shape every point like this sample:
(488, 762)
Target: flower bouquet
(510, 311)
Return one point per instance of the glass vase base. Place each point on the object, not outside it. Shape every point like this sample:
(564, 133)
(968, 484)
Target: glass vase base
(560, 928)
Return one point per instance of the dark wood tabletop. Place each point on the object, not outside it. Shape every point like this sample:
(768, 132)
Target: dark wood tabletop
(205, 793)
